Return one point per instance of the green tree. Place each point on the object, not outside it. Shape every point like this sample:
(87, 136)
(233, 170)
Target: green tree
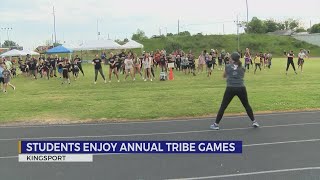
(169, 34)
(139, 35)
(271, 25)
(301, 29)
(185, 33)
(315, 28)
(255, 26)
(8, 43)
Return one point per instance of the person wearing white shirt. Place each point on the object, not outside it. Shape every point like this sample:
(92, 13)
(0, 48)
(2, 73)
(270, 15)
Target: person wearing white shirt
(147, 63)
(301, 57)
(128, 62)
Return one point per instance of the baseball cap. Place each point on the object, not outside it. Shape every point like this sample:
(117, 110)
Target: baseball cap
(235, 56)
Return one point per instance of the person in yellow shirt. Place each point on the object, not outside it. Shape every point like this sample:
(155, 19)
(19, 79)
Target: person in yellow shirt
(257, 62)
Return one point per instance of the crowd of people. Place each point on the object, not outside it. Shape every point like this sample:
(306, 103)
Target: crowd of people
(130, 64)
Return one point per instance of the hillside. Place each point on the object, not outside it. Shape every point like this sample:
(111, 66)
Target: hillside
(275, 44)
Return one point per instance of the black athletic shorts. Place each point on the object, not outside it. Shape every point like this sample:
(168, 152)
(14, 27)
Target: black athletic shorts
(2, 80)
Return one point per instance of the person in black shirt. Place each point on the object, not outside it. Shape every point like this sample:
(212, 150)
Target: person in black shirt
(122, 57)
(47, 68)
(40, 67)
(163, 63)
(98, 68)
(65, 71)
(33, 68)
(53, 62)
(77, 60)
(59, 64)
(290, 56)
(192, 65)
(75, 69)
(113, 61)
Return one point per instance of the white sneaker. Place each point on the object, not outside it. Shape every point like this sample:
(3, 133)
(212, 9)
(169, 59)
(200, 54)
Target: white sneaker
(118, 81)
(105, 81)
(214, 126)
(109, 81)
(134, 79)
(95, 82)
(151, 79)
(145, 79)
(255, 124)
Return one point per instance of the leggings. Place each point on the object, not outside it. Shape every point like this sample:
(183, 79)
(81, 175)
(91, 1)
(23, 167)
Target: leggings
(230, 92)
(257, 65)
(247, 66)
(96, 74)
(80, 68)
(292, 64)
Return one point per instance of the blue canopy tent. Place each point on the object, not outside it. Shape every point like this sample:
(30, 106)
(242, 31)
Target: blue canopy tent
(59, 49)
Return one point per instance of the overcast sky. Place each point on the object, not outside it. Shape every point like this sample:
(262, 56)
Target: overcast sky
(32, 20)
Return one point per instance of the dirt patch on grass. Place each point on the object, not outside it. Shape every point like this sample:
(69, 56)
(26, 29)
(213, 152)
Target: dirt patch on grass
(54, 120)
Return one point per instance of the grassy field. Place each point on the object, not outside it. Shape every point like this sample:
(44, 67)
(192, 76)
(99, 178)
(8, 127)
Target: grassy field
(47, 101)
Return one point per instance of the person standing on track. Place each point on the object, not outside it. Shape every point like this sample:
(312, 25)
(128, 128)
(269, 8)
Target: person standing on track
(98, 68)
(290, 56)
(234, 72)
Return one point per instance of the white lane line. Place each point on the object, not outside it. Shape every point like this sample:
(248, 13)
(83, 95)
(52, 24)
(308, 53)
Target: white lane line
(151, 121)
(280, 142)
(153, 134)
(246, 145)
(250, 173)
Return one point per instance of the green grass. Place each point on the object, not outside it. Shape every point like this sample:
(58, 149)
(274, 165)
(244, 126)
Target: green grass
(186, 96)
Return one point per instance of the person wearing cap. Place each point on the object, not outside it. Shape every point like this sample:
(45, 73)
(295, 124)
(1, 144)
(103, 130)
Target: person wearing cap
(234, 73)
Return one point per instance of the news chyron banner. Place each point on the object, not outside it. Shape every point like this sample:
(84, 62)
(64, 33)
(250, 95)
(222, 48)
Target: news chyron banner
(83, 151)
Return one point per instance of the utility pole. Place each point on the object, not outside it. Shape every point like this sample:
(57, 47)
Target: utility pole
(6, 29)
(54, 27)
(178, 27)
(98, 29)
(238, 34)
(247, 11)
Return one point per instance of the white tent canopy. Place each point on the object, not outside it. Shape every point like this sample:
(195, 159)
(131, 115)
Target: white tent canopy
(30, 52)
(99, 45)
(132, 45)
(13, 52)
(71, 46)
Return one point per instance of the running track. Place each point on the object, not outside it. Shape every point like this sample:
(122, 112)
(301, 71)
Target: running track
(287, 146)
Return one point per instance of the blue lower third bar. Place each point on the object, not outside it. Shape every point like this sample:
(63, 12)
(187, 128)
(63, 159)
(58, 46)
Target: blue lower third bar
(96, 147)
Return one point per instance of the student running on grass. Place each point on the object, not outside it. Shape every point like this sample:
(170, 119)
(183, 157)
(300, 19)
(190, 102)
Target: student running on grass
(201, 62)
(128, 62)
(53, 70)
(269, 57)
(79, 63)
(209, 61)
(184, 63)
(65, 71)
(59, 64)
(301, 57)
(33, 68)
(234, 72)
(47, 68)
(113, 67)
(6, 75)
(147, 63)
(192, 65)
(290, 56)
(98, 68)
(247, 59)
(257, 62)
(75, 69)
(137, 66)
